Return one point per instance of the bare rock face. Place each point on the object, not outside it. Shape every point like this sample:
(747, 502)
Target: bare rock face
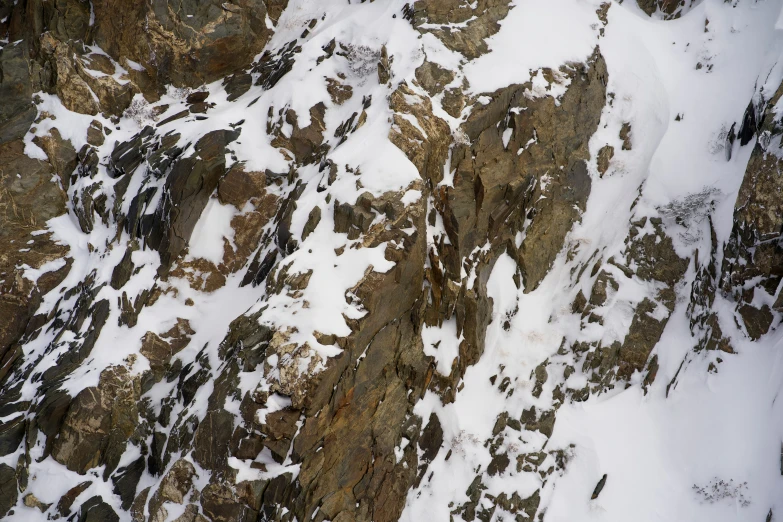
(184, 43)
(160, 259)
(476, 22)
(753, 251)
(187, 190)
(99, 423)
(26, 203)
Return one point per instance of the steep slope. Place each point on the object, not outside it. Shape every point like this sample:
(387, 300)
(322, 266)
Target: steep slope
(500, 260)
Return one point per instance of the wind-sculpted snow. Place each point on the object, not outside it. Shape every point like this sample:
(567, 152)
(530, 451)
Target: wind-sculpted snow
(500, 260)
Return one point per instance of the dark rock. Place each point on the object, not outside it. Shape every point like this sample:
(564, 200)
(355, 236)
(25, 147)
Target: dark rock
(220, 505)
(186, 51)
(599, 487)
(237, 84)
(96, 510)
(8, 489)
(667, 9)
(498, 464)
(17, 111)
(748, 128)
(99, 422)
(431, 438)
(312, 221)
(11, 434)
(126, 480)
(67, 500)
(199, 108)
(95, 136)
(196, 97)
(188, 188)
(757, 321)
(123, 271)
(173, 117)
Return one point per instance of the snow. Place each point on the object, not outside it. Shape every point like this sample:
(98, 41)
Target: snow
(657, 450)
(655, 445)
(725, 427)
(212, 228)
(535, 34)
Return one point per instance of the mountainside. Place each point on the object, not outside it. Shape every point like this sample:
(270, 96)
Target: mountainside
(343, 260)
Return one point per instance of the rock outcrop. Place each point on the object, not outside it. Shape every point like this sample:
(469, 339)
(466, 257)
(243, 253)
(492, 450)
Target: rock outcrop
(247, 255)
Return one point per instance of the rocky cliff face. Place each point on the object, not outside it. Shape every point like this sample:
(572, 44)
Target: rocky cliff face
(290, 260)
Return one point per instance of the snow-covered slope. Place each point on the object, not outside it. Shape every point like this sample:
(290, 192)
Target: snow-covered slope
(499, 260)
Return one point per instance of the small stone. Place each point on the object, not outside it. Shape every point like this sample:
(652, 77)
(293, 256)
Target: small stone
(196, 97)
(30, 500)
(599, 487)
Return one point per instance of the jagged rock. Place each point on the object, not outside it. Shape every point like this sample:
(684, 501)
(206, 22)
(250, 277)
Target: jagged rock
(26, 203)
(95, 136)
(306, 144)
(757, 321)
(126, 481)
(188, 188)
(655, 257)
(603, 282)
(431, 438)
(430, 157)
(61, 154)
(498, 464)
(17, 111)
(756, 225)
(123, 271)
(454, 102)
(99, 422)
(32, 501)
(139, 504)
(433, 77)
(605, 155)
(478, 21)
(12, 433)
(625, 135)
(8, 489)
(238, 187)
(497, 184)
(174, 487)
(327, 420)
(96, 510)
(211, 43)
(220, 505)
(74, 92)
(339, 92)
(237, 85)
(160, 349)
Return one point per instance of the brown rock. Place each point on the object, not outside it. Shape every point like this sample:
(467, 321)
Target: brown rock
(625, 135)
(605, 155)
(339, 92)
(99, 422)
(757, 321)
(477, 22)
(238, 187)
(433, 77)
(185, 51)
(174, 487)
